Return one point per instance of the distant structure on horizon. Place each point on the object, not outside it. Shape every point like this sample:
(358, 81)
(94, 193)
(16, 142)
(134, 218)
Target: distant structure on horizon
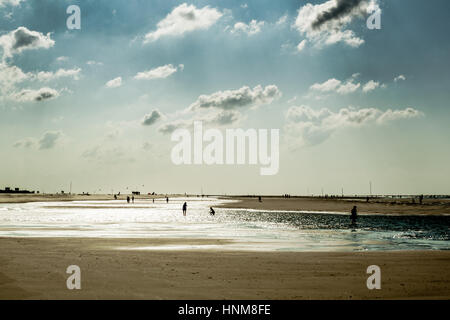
(16, 190)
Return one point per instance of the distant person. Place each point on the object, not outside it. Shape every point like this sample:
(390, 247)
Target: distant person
(259, 199)
(153, 200)
(367, 199)
(184, 208)
(115, 197)
(128, 199)
(132, 199)
(167, 199)
(354, 214)
(421, 198)
(211, 211)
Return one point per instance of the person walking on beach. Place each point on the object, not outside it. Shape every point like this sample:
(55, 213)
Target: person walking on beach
(128, 199)
(132, 199)
(354, 214)
(167, 199)
(211, 211)
(184, 208)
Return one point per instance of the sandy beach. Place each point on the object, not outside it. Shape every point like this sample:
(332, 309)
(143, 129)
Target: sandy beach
(374, 206)
(35, 269)
(118, 268)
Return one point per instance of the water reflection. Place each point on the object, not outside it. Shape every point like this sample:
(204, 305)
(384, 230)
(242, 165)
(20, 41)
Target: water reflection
(248, 229)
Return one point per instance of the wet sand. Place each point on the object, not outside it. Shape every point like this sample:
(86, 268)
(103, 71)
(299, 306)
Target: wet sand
(374, 206)
(35, 269)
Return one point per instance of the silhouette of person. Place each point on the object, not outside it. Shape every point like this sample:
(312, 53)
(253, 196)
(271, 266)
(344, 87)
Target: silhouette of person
(153, 200)
(167, 199)
(184, 208)
(421, 199)
(354, 214)
(128, 199)
(211, 211)
(132, 199)
(259, 199)
(115, 197)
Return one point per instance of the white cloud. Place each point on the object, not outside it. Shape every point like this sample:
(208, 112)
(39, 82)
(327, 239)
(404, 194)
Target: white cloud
(158, 73)
(10, 2)
(243, 97)
(327, 86)
(23, 39)
(392, 115)
(400, 78)
(28, 95)
(184, 18)
(62, 59)
(326, 23)
(370, 86)
(47, 76)
(301, 45)
(10, 75)
(349, 86)
(308, 126)
(214, 118)
(282, 20)
(151, 118)
(94, 63)
(114, 83)
(252, 28)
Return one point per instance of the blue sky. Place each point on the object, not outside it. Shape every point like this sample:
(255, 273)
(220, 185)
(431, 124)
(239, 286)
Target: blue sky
(353, 105)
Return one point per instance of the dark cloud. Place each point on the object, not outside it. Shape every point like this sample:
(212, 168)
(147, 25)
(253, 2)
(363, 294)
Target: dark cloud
(151, 118)
(49, 139)
(24, 39)
(342, 8)
(42, 94)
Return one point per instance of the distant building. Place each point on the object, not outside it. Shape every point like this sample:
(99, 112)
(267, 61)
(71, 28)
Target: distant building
(15, 191)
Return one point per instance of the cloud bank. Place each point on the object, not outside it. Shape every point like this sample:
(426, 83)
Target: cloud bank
(309, 126)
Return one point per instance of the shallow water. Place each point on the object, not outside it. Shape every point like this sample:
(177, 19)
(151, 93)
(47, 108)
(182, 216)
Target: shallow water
(248, 229)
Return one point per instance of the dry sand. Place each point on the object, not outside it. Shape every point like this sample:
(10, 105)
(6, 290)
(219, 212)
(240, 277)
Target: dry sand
(35, 269)
(374, 206)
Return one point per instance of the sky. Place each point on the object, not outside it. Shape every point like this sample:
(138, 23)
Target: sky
(96, 106)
